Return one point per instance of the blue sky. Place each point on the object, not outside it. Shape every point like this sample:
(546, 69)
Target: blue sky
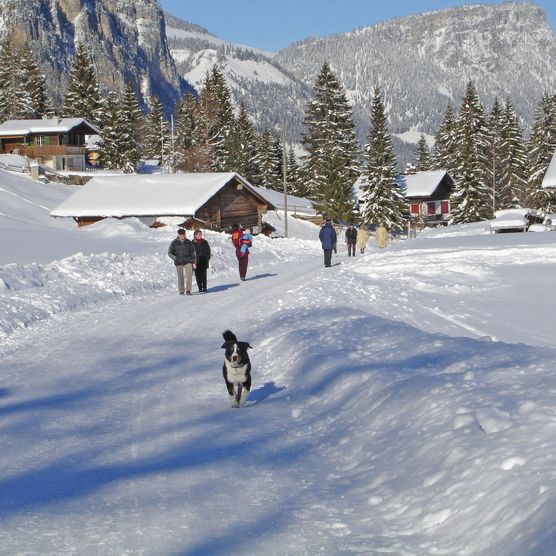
(272, 25)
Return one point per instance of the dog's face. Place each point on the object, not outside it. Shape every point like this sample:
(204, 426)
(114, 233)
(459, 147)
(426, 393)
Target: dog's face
(236, 353)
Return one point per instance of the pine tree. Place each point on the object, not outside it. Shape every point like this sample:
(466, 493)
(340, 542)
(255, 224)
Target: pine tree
(422, 155)
(445, 147)
(15, 99)
(157, 134)
(296, 185)
(472, 199)
(34, 82)
(501, 196)
(513, 180)
(540, 148)
(216, 118)
(381, 196)
(83, 98)
(240, 146)
(110, 151)
(268, 171)
(331, 166)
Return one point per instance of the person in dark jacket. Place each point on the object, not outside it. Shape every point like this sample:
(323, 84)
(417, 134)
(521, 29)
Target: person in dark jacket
(351, 239)
(182, 252)
(328, 238)
(202, 252)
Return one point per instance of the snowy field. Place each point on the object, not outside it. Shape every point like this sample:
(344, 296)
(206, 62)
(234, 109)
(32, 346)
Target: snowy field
(403, 402)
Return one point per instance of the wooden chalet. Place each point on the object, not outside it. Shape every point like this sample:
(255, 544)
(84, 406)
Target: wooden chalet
(59, 143)
(428, 194)
(213, 200)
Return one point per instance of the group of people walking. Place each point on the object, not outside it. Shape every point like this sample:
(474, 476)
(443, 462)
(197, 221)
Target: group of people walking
(194, 256)
(189, 256)
(355, 239)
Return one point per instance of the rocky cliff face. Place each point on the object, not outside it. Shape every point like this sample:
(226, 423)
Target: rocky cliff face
(126, 39)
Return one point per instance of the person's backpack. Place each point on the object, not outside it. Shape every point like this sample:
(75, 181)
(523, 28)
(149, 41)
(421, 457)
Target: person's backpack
(236, 235)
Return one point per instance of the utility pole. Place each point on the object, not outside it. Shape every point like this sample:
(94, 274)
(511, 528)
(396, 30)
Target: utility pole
(173, 154)
(284, 176)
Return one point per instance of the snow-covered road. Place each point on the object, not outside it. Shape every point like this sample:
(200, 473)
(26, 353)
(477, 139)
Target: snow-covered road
(360, 435)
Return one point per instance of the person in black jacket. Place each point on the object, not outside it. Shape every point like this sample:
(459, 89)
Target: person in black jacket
(182, 252)
(351, 239)
(202, 252)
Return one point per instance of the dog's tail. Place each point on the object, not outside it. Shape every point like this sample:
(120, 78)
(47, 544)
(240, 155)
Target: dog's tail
(229, 336)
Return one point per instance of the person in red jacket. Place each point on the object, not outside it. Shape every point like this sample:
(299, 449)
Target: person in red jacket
(242, 240)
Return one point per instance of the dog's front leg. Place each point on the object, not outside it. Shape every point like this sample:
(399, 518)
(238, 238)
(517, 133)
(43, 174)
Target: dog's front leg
(243, 396)
(234, 400)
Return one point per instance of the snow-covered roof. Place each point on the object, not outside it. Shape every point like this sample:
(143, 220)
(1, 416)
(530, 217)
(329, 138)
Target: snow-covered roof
(46, 125)
(549, 180)
(146, 195)
(297, 204)
(420, 184)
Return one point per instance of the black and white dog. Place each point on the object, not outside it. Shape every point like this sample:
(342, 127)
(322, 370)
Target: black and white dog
(236, 369)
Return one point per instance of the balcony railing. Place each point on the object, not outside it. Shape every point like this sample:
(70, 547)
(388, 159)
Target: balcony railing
(33, 151)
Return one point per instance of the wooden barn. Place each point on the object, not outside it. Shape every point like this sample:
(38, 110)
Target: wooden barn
(213, 200)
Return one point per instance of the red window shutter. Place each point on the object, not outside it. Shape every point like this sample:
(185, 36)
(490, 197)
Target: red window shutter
(414, 209)
(444, 207)
(431, 208)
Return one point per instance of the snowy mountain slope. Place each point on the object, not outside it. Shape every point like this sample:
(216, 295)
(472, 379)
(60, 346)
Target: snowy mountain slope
(269, 92)
(423, 62)
(381, 420)
(420, 63)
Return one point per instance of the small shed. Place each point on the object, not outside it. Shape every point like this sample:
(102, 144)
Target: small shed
(549, 180)
(217, 199)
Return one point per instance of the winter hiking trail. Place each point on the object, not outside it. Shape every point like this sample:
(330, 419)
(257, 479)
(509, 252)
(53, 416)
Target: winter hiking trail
(121, 438)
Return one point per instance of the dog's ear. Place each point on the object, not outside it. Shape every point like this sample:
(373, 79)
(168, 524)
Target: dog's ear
(223, 346)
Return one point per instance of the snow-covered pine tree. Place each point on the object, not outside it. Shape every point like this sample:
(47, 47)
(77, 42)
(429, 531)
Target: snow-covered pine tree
(6, 64)
(110, 156)
(445, 147)
(382, 199)
(296, 185)
(331, 164)
(268, 171)
(83, 98)
(540, 149)
(34, 83)
(422, 155)
(16, 98)
(501, 196)
(157, 133)
(469, 203)
(216, 117)
(135, 119)
(513, 170)
(184, 118)
(240, 146)
(472, 198)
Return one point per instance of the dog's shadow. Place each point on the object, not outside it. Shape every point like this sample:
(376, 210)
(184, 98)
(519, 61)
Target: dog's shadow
(265, 391)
